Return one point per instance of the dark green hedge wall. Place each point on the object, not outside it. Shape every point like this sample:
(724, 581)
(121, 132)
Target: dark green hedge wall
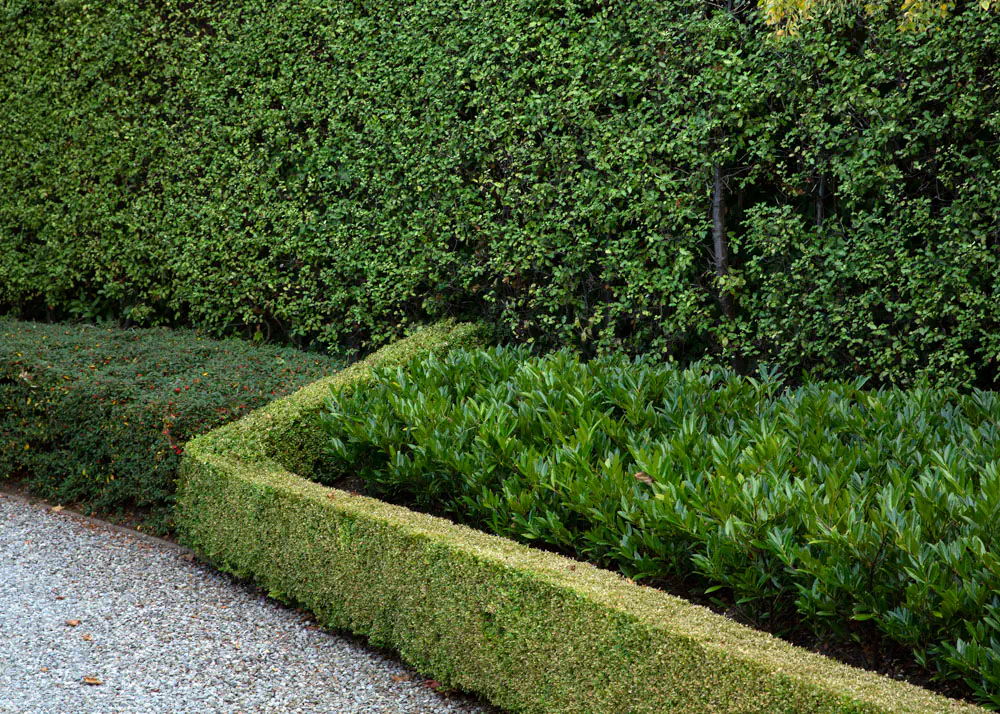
(319, 170)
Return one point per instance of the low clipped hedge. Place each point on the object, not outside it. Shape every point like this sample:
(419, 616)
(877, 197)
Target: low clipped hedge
(100, 416)
(530, 630)
(833, 512)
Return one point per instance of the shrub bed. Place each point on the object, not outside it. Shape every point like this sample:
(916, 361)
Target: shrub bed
(865, 516)
(101, 416)
(530, 630)
(326, 170)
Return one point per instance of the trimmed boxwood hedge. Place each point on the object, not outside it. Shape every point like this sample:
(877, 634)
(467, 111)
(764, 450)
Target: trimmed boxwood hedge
(530, 630)
(100, 416)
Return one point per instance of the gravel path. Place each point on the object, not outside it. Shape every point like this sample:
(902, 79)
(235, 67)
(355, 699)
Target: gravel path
(168, 636)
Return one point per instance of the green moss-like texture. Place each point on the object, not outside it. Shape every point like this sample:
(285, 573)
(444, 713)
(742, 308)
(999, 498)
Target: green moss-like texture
(530, 630)
(286, 431)
(98, 416)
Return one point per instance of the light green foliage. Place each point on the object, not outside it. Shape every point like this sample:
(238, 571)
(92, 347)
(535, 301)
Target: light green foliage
(530, 630)
(912, 15)
(858, 515)
(327, 170)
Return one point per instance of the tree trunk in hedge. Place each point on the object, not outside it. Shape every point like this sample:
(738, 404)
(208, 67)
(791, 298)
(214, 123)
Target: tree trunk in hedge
(820, 193)
(719, 236)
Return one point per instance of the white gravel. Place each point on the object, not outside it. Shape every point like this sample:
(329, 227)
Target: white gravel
(165, 635)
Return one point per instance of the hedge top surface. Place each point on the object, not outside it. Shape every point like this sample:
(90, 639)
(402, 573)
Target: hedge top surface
(248, 450)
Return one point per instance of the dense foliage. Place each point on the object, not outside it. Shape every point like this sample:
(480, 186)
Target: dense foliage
(101, 416)
(913, 15)
(326, 170)
(859, 515)
(527, 629)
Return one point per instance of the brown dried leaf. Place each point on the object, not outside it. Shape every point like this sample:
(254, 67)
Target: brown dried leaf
(73, 623)
(87, 638)
(643, 476)
(401, 678)
(92, 681)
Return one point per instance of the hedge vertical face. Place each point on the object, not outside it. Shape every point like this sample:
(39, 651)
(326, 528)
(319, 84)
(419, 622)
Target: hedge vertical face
(333, 168)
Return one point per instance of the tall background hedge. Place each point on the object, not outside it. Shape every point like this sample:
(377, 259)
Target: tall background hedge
(324, 171)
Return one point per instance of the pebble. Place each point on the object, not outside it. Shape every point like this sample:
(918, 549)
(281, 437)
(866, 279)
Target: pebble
(159, 633)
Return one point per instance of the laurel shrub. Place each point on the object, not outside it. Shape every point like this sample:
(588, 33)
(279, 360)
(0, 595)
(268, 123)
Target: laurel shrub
(858, 515)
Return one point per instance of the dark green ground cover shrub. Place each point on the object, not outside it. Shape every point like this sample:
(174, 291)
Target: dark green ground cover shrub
(323, 170)
(101, 416)
(860, 515)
